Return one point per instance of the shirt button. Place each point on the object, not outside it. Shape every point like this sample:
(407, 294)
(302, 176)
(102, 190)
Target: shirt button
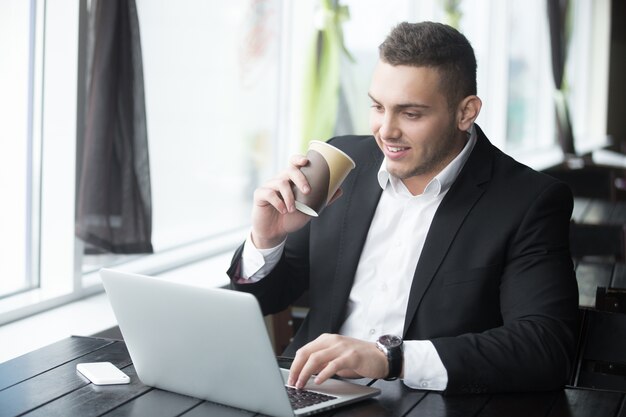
(372, 331)
(424, 384)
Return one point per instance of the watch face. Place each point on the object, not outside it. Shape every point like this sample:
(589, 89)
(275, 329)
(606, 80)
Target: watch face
(390, 341)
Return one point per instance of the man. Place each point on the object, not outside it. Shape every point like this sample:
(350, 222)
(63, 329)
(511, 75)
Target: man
(437, 238)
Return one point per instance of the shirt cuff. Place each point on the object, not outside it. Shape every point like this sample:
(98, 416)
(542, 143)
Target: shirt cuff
(258, 263)
(423, 368)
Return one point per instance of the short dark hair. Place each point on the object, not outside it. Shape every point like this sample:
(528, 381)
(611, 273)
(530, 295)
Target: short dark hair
(435, 45)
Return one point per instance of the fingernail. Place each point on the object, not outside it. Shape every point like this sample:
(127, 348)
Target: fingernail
(306, 189)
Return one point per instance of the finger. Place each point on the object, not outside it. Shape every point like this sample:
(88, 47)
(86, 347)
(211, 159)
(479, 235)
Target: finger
(299, 179)
(349, 373)
(302, 357)
(296, 366)
(318, 354)
(298, 160)
(331, 369)
(316, 362)
(282, 187)
(286, 193)
(269, 196)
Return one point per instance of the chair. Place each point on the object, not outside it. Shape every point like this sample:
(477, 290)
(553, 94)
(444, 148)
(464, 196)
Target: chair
(601, 351)
(591, 181)
(611, 299)
(597, 240)
(286, 323)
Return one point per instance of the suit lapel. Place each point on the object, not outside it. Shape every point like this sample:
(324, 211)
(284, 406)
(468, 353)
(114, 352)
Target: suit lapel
(362, 199)
(454, 208)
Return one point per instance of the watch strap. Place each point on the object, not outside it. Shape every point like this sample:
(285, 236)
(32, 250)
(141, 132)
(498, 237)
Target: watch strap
(392, 347)
(394, 358)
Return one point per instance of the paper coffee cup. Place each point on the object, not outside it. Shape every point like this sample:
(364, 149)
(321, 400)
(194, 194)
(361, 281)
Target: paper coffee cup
(328, 167)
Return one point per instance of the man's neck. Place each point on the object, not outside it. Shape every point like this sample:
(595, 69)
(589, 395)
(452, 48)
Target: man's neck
(417, 184)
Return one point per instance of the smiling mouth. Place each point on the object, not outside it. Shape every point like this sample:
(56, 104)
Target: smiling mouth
(395, 149)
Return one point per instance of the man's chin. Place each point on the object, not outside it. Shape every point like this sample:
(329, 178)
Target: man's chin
(404, 173)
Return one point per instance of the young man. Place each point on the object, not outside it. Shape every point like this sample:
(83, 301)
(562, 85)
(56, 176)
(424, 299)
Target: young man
(444, 262)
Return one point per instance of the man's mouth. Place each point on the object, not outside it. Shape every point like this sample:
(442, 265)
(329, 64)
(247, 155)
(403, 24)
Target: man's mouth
(396, 149)
(395, 152)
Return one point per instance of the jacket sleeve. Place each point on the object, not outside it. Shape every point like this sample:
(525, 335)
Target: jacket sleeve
(534, 348)
(287, 281)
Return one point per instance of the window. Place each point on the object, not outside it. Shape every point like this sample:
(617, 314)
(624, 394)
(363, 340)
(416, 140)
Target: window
(530, 108)
(211, 104)
(587, 71)
(42, 206)
(211, 77)
(18, 163)
(213, 88)
(363, 32)
(511, 43)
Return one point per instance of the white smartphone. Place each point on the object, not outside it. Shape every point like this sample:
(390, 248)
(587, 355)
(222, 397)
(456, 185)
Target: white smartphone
(102, 373)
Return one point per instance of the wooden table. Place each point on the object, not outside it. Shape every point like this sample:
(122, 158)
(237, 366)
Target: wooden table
(45, 383)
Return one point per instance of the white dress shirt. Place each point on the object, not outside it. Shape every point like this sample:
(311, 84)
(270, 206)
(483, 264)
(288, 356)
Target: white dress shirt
(380, 294)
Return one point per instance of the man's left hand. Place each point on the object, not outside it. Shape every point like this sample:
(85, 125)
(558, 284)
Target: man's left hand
(332, 354)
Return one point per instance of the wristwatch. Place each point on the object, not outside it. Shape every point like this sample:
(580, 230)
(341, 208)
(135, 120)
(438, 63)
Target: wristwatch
(392, 347)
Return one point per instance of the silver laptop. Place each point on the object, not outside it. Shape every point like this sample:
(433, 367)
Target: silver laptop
(211, 344)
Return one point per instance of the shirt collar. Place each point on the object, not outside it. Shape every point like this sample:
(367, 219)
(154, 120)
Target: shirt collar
(442, 181)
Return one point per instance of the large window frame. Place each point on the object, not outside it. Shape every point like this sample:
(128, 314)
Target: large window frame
(587, 68)
(19, 164)
(56, 121)
(52, 181)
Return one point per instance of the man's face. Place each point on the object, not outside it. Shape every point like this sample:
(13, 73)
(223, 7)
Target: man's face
(412, 122)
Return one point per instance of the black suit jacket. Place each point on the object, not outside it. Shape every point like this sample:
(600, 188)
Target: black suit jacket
(494, 288)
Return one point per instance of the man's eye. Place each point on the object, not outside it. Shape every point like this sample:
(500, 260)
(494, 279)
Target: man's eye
(412, 115)
(377, 107)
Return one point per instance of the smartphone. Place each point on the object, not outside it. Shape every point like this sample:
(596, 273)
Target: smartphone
(102, 373)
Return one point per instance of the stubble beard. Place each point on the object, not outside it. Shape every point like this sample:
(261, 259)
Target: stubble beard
(443, 155)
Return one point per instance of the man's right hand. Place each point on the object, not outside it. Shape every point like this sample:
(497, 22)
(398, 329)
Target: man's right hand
(274, 213)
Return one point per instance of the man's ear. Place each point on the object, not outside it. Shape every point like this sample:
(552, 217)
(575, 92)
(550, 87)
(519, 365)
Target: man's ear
(467, 112)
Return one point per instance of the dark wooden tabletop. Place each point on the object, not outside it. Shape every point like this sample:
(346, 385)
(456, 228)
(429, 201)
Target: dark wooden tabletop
(45, 383)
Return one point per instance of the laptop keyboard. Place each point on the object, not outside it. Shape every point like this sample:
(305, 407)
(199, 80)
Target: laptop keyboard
(302, 398)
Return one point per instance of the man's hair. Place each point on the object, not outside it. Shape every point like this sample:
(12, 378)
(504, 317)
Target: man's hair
(438, 46)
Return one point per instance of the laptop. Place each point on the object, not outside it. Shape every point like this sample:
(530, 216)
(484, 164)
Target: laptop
(211, 344)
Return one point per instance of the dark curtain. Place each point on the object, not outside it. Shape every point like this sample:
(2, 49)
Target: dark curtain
(114, 212)
(557, 19)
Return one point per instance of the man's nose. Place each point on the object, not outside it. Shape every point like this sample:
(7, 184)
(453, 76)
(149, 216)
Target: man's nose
(389, 128)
